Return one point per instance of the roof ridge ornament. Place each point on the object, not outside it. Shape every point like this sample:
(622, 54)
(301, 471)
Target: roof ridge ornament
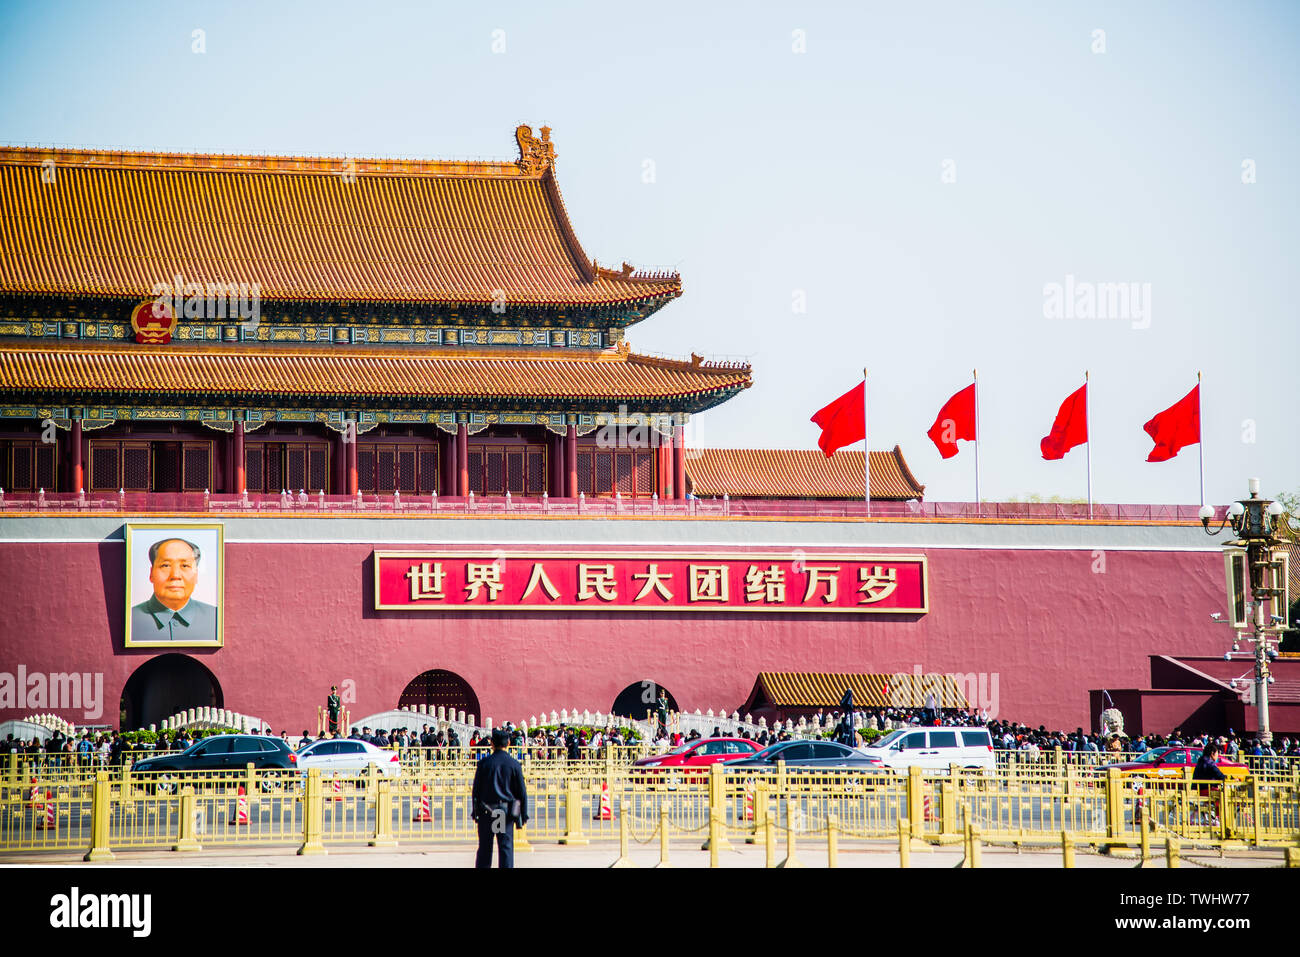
(535, 155)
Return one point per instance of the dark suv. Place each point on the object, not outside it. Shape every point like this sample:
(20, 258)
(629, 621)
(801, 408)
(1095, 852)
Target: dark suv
(225, 752)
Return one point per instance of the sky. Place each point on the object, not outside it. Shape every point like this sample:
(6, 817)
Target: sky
(886, 186)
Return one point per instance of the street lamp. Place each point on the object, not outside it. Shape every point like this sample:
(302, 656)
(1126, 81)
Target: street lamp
(1255, 522)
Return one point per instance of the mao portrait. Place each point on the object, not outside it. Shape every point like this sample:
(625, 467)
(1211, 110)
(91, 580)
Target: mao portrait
(174, 584)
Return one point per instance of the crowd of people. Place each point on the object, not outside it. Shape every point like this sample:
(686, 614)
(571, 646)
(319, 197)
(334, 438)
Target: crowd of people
(109, 748)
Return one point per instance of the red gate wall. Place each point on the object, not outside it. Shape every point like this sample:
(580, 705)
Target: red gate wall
(299, 617)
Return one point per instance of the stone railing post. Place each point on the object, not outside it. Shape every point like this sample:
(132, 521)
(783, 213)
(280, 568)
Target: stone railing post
(100, 811)
(186, 840)
(383, 815)
(312, 813)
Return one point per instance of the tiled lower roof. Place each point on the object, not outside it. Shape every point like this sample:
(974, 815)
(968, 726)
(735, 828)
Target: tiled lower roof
(817, 689)
(140, 372)
(799, 473)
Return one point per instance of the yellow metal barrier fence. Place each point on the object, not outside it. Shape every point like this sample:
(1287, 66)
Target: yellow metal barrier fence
(596, 801)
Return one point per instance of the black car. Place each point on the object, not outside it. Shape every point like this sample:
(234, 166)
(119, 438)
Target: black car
(810, 756)
(222, 752)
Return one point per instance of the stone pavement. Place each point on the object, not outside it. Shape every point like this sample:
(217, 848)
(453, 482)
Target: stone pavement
(681, 854)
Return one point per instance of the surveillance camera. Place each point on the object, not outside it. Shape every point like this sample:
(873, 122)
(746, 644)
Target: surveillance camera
(1227, 656)
(1216, 615)
(1270, 679)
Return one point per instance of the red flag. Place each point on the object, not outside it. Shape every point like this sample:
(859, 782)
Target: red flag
(956, 420)
(1176, 426)
(1071, 425)
(844, 421)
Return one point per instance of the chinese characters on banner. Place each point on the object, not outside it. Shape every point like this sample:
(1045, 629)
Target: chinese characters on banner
(636, 581)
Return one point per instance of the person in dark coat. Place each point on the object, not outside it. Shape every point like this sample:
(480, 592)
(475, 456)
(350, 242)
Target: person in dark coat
(499, 802)
(1207, 768)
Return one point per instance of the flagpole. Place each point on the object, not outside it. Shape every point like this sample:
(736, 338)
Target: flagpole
(1200, 429)
(1087, 400)
(866, 448)
(975, 373)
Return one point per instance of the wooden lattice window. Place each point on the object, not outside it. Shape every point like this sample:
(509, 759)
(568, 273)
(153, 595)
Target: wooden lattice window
(429, 470)
(475, 460)
(197, 464)
(254, 475)
(318, 467)
(105, 467)
(584, 472)
(27, 465)
(296, 457)
(135, 467)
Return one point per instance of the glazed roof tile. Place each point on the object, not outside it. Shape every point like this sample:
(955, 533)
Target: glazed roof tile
(308, 229)
(817, 689)
(134, 372)
(799, 473)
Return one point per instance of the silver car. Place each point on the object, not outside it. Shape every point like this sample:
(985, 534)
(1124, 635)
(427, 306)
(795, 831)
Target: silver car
(348, 756)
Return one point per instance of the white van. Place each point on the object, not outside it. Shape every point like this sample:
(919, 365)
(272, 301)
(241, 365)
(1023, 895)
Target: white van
(934, 748)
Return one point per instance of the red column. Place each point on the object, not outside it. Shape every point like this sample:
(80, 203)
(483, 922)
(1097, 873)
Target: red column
(447, 446)
(555, 465)
(679, 462)
(351, 454)
(571, 462)
(661, 466)
(241, 462)
(462, 460)
(78, 469)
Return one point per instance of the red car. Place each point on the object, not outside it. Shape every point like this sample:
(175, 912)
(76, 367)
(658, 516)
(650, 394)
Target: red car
(698, 754)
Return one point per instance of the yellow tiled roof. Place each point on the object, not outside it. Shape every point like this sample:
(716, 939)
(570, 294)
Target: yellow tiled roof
(82, 222)
(799, 473)
(811, 689)
(136, 371)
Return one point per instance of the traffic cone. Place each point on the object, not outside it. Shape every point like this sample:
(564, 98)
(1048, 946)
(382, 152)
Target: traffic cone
(44, 812)
(929, 810)
(606, 812)
(749, 799)
(338, 789)
(425, 815)
(35, 797)
(241, 807)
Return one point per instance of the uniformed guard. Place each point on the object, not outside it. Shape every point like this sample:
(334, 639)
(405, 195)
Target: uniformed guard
(499, 802)
(333, 704)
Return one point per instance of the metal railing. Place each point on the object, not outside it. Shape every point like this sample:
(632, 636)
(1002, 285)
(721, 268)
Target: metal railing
(495, 506)
(1045, 763)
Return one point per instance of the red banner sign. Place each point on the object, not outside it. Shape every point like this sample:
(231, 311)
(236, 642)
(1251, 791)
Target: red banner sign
(637, 581)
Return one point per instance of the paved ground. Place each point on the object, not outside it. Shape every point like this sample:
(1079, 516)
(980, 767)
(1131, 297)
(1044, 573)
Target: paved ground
(681, 854)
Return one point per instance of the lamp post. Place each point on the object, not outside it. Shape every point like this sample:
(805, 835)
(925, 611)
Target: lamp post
(1255, 522)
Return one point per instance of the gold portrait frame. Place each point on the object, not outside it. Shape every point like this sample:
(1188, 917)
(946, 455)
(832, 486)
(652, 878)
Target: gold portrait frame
(156, 532)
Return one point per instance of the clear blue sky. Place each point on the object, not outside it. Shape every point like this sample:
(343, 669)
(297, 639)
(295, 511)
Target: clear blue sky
(820, 171)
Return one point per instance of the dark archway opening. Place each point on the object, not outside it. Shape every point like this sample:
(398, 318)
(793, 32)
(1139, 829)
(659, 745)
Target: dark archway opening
(636, 699)
(441, 689)
(165, 685)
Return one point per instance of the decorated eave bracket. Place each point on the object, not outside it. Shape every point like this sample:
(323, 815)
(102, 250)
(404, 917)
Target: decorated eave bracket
(223, 420)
